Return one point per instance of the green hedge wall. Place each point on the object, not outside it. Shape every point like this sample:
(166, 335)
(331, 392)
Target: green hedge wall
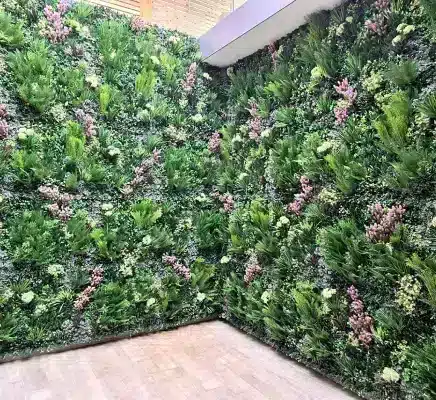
(293, 192)
(330, 154)
(107, 226)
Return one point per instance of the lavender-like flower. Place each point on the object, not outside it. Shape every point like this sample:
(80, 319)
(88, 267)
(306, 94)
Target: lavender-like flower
(191, 76)
(228, 202)
(63, 213)
(64, 6)
(177, 266)
(382, 5)
(303, 197)
(4, 129)
(255, 126)
(56, 31)
(137, 24)
(359, 320)
(59, 208)
(85, 297)
(142, 175)
(386, 222)
(214, 144)
(226, 199)
(52, 193)
(378, 26)
(49, 192)
(349, 95)
(3, 111)
(348, 92)
(252, 269)
(341, 114)
(87, 121)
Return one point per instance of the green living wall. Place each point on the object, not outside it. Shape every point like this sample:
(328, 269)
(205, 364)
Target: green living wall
(107, 226)
(293, 193)
(330, 155)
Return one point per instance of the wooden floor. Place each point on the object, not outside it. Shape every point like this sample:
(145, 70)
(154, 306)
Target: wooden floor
(211, 360)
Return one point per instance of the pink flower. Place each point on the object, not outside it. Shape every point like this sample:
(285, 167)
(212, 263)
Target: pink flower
(341, 114)
(349, 95)
(386, 222)
(348, 92)
(214, 144)
(382, 5)
(359, 320)
(3, 111)
(191, 76)
(226, 200)
(301, 198)
(56, 31)
(178, 267)
(142, 175)
(85, 297)
(378, 26)
(59, 208)
(252, 269)
(137, 24)
(87, 122)
(62, 213)
(4, 129)
(64, 6)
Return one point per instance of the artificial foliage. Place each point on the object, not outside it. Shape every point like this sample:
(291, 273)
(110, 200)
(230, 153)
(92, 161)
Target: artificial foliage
(329, 154)
(104, 176)
(292, 193)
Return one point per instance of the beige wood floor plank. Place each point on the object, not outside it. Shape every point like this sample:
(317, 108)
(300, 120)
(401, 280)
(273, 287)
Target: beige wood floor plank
(211, 360)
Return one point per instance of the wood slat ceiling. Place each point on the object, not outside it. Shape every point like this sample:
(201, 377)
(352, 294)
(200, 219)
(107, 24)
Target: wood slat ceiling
(193, 17)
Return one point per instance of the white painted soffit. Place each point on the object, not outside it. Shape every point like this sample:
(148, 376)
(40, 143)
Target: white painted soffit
(254, 25)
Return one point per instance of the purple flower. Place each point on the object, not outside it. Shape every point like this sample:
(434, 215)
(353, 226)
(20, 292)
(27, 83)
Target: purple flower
(64, 6)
